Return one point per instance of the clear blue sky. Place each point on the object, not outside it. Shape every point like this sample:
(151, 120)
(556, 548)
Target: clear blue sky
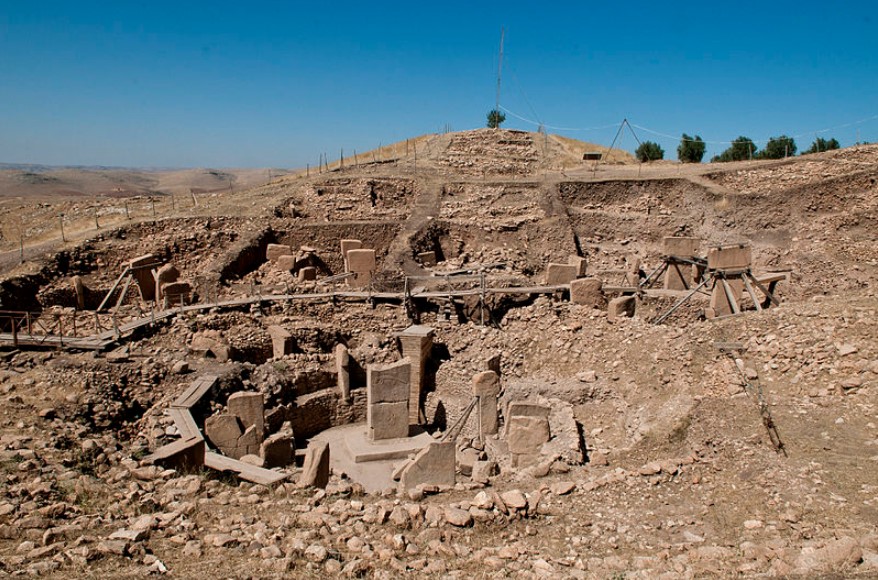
(257, 84)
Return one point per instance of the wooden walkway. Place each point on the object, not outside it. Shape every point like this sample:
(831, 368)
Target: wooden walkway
(107, 338)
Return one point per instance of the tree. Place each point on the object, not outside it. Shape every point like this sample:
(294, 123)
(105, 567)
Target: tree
(742, 148)
(495, 118)
(821, 144)
(691, 149)
(778, 148)
(649, 151)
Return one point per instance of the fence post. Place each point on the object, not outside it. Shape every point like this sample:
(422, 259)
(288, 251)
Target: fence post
(14, 331)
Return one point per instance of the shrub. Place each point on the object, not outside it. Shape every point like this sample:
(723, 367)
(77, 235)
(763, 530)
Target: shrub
(649, 151)
(778, 148)
(691, 149)
(821, 144)
(495, 118)
(742, 148)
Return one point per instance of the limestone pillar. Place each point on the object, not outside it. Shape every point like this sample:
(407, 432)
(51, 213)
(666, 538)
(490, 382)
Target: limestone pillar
(417, 343)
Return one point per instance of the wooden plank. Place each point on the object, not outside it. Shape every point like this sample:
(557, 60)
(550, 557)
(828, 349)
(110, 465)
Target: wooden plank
(772, 277)
(185, 423)
(243, 470)
(731, 296)
(196, 390)
(113, 288)
(752, 294)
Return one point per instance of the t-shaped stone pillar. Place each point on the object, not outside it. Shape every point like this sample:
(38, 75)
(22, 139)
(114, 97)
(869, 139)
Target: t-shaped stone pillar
(486, 387)
(416, 342)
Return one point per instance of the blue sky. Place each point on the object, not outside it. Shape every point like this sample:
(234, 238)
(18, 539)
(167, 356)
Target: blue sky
(257, 84)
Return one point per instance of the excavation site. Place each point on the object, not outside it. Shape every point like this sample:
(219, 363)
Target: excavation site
(479, 354)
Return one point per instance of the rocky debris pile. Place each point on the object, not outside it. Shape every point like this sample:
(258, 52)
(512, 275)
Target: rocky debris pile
(491, 152)
(348, 198)
(506, 207)
(817, 168)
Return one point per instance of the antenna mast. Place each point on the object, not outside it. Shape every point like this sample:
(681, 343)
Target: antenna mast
(499, 69)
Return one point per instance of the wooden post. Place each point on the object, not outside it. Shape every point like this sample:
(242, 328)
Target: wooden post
(152, 202)
(21, 245)
(14, 331)
(61, 219)
(127, 215)
(95, 211)
(173, 203)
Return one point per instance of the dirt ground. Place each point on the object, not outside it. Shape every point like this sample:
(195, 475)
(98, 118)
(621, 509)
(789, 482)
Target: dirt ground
(679, 479)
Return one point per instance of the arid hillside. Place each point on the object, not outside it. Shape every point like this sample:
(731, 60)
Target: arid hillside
(592, 404)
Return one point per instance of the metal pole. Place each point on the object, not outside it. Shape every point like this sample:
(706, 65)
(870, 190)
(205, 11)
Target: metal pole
(152, 202)
(127, 215)
(61, 219)
(95, 210)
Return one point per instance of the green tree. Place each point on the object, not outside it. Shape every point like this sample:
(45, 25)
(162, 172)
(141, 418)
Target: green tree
(649, 151)
(821, 144)
(691, 149)
(778, 148)
(742, 148)
(495, 118)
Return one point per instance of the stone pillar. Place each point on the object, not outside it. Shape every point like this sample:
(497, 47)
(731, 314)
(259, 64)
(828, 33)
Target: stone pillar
(281, 341)
(143, 275)
(343, 366)
(387, 400)
(580, 263)
(315, 470)
(557, 274)
(486, 386)
(417, 343)
(164, 275)
(79, 290)
(588, 292)
(679, 275)
(362, 263)
(347, 246)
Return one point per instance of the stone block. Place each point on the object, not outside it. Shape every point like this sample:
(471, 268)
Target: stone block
(308, 274)
(249, 407)
(428, 259)
(278, 450)
(526, 409)
(388, 383)
(557, 274)
(182, 455)
(729, 258)
(315, 470)
(588, 292)
(248, 443)
(681, 247)
(483, 471)
(282, 341)
(285, 263)
(388, 420)
(526, 435)
(223, 431)
(433, 465)
(275, 251)
(580, 263)
(620, 307)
